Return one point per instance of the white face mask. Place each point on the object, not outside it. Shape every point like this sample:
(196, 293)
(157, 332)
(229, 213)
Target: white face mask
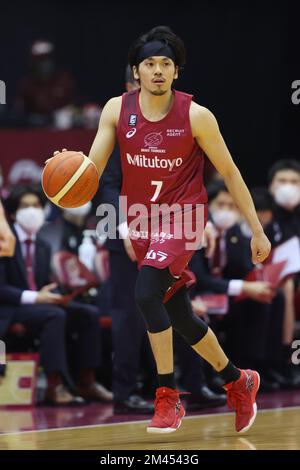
(81, 211)
(30, 218)
(287, 195)
(223, 218)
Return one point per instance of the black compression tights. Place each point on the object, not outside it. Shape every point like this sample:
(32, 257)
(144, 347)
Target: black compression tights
(151, 285)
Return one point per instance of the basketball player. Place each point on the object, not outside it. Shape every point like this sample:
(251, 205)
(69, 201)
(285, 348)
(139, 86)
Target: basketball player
(163, 135)
(7, 238)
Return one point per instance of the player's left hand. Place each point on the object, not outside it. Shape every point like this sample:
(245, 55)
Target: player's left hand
(260, 247)
(209, 239)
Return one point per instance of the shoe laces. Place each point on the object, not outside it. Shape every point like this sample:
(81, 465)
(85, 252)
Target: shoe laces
(167, 399)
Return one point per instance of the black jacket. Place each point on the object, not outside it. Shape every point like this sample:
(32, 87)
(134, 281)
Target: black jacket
(238, 264)
(13, 279)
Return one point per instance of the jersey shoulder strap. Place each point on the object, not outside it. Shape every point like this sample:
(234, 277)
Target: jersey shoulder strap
(128, 115)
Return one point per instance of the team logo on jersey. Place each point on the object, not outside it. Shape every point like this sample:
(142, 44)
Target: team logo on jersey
(154, 162)
(154, 139)
(131, 133)
(132, 120)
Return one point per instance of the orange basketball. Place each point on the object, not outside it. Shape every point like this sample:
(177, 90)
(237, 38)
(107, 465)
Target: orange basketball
(70, 179)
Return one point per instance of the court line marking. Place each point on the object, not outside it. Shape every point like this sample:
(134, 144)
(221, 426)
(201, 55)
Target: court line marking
(88, 426)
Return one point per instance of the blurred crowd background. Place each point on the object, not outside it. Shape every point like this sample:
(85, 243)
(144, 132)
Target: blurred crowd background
(61, 62)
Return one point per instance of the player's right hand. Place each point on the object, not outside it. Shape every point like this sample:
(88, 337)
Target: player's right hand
(55, 153)
(47, 297)
(58, 151)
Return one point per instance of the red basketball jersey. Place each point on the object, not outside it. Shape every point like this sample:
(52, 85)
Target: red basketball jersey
(161, 161)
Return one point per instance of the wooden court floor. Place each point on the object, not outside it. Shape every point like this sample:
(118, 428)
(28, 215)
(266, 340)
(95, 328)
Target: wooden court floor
(277, 429)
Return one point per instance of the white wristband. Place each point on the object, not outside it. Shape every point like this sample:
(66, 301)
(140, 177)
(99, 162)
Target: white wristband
(235, 287)
(28, 297)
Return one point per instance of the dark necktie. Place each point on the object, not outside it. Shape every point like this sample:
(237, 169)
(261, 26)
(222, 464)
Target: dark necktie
(29, 265)
(216, 261)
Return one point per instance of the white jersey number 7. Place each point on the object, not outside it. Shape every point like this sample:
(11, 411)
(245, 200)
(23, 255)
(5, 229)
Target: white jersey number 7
(158, 185)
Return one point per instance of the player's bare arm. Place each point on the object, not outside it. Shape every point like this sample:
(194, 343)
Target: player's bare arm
(105, 139)
(207, 134)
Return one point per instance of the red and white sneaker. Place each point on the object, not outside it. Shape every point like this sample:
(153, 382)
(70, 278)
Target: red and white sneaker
(241, 396)
(168, 411)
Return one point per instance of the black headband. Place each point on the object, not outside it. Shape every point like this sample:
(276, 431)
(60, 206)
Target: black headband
(155, 48)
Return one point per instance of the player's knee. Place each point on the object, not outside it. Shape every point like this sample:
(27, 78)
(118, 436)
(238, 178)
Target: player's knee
(149, 302)
(146, 292)
(192, 329)
(145, 299)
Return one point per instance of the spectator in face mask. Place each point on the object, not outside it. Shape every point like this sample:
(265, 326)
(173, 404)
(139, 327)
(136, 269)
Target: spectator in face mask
(67, 232)
(284, 185)
(259, 317)
(232, 257)
(26, 297)
(25, 284)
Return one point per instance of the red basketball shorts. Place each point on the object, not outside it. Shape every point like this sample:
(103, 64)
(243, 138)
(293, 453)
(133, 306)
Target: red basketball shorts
(170, 244)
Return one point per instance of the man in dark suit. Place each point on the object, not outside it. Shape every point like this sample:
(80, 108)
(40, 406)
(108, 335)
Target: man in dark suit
(129, 335)
(259, 317)
(284, 185)
(26, 297)
(128, 327)
(7, 248)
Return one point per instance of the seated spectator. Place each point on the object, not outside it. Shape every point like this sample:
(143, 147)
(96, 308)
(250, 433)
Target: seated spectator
(45, 90)
(66, 233)
(25, 293)
(284, 185)
(259, 317)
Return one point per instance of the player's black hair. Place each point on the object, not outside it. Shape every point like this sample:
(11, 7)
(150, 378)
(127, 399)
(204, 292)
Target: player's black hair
(159, 33)
(215, 188)
(287, 164)
(12, 203)
(262, 199)
(129, 78)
